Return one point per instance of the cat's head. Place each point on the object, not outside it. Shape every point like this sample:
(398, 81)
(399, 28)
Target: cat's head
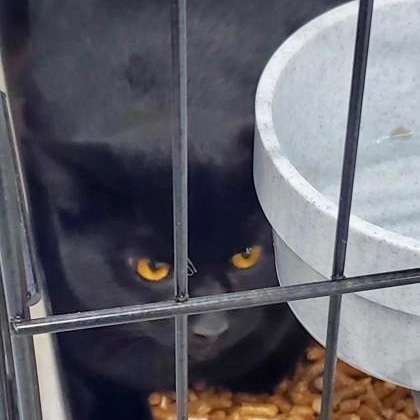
(113, 218)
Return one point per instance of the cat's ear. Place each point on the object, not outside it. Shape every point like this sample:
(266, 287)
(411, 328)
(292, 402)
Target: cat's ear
(67, 171)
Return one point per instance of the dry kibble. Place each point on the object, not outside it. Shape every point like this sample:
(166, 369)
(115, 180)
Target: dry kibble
(316, 405)
(244, 397)
(302, 411)
(300, 394)
(350, 406)
(388, 413)
(217, 403)
(262, 410)
(340, 379)
(234, 416)
(371, 400)
(349, 370)
(315, 353)
(397, 394)
(366, 413)
(217, 415)
(261, 418)
(155, 398)
(282, 387)
(400, 405)
(166, 413)
(356, 397)
(401, 416)
(192, 396)
(199, 407)
(343, 379)
(383, 389)
(350, 392)
(410, 409)
(165, 402)
(318, 383)
(314, 371)
(281, 403)
(349, 417)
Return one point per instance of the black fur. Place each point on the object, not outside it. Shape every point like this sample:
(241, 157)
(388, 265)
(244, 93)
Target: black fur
(97, 88)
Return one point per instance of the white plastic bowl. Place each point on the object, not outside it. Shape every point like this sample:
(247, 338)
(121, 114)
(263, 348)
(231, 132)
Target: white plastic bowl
(301, 113)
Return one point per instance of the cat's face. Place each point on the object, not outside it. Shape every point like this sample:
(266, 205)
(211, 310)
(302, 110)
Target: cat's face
(116, 242)
(111, 198)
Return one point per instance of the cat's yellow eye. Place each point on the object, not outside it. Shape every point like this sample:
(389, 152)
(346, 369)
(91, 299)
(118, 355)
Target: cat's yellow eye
(247, 259)
(151, 271)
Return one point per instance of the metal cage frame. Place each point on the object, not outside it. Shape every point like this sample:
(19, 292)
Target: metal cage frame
(19, 268)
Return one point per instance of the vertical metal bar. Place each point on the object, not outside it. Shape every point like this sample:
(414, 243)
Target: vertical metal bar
(27, 238)
(181, 357)
(19, 354)
(360, 59)
(180, 196)
(33, 271)
(7, 397)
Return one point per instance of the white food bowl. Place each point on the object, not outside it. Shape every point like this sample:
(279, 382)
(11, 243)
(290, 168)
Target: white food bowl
(301, 114)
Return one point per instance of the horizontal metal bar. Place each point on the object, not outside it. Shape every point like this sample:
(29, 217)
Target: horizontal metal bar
(223, 302)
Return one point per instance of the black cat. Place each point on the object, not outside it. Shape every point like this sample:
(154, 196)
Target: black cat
(96, 83)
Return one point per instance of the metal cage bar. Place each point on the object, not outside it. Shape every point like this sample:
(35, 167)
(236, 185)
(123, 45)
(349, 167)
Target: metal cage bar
(180, 197)
(18, 357)
(361, 50)
(223, 302)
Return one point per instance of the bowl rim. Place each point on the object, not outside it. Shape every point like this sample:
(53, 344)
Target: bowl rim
(264, 122)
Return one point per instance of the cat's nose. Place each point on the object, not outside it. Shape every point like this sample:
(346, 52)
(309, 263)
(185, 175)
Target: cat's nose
(209, 327)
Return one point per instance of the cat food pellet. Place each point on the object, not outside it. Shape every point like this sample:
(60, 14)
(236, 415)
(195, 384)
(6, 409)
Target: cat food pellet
(367, 413)
(316, 405)
(356, 397)
(400, 405)
(300, 395)
(155, 398)
(318, 383)
(372, 400)
(281, 403)
(350, 406)
(349, 371)
(199, 407)
(410, 409)
(383, 389)
(349, 417)
(163, 413)
(192, 396)
(401, 416)
(349, 392)
(217, 415)
(165, 402)
(217, 403)
(343, 380)
(302, 411)
(315, 353)
(262, 410)
(388, 413)
(243, 397)
(397, 394)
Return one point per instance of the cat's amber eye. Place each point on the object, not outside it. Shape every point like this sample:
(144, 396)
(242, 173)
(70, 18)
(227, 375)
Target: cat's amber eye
(248, 258)
(152, 271)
